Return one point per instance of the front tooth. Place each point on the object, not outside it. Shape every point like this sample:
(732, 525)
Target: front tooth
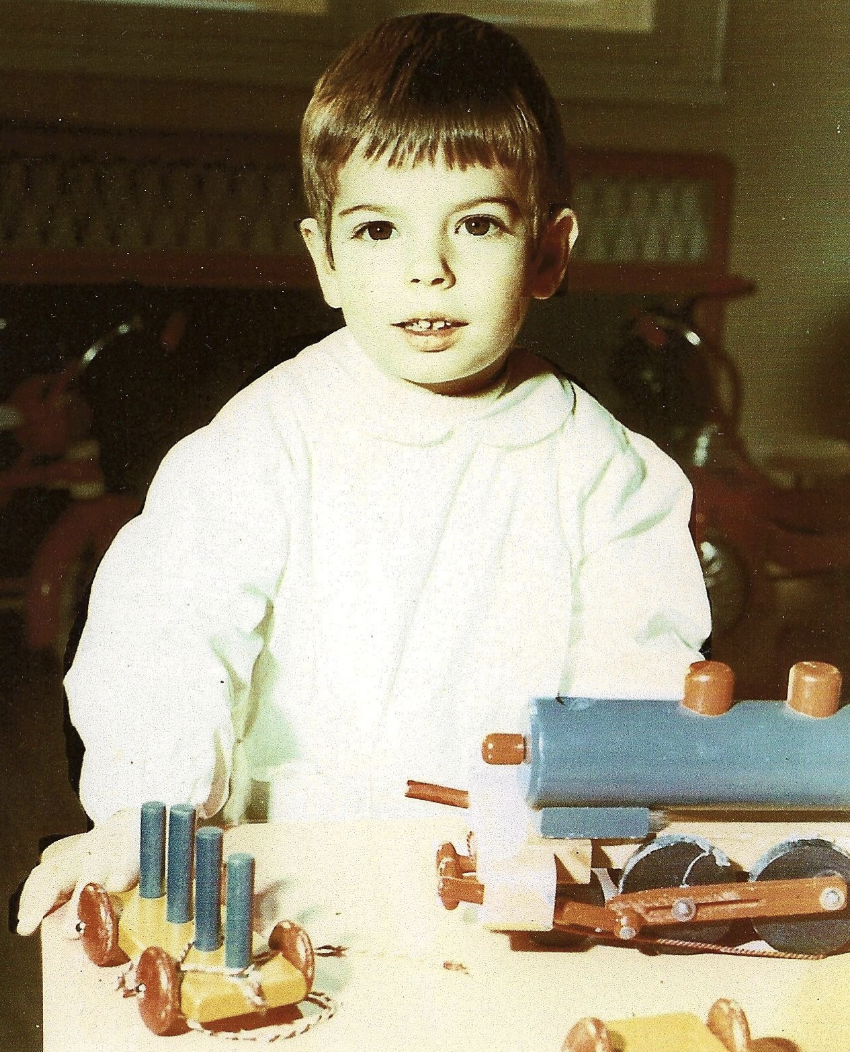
(426, 324)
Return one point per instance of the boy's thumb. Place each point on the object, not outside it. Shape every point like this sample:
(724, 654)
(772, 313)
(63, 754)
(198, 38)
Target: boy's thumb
(51, 883)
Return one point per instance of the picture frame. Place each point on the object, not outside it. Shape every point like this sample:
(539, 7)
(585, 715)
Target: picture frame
(678, 60)
(676, 56)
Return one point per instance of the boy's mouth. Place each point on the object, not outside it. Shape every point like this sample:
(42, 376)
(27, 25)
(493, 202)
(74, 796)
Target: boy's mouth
(427, 325)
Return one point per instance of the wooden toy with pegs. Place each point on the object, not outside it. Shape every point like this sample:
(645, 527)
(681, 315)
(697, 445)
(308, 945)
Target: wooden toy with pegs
(725, 1030)
(198, 965)
(702, 824)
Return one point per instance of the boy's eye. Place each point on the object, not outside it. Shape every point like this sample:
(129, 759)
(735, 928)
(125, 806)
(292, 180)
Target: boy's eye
(479, 226)
(375, 231)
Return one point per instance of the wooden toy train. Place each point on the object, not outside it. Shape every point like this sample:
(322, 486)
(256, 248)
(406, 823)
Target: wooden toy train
(188, 969)
(641, 821)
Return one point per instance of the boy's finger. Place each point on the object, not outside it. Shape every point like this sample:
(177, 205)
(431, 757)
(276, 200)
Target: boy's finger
(49, 884)
(123, 874)
(107, 855)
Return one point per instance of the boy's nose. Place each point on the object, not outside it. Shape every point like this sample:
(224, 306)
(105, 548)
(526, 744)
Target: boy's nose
(430, 267)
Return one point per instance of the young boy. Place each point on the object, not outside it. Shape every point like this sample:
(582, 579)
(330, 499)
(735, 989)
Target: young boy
(401, 536)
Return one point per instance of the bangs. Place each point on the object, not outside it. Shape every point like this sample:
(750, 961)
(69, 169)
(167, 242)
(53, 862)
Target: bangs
(407, 136)
(461, 140)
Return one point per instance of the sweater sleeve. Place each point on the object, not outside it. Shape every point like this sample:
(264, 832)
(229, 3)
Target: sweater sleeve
(640, 610)
(162, 674)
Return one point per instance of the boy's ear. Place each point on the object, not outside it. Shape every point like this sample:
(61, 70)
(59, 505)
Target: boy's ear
(553, 253)
(315, 241)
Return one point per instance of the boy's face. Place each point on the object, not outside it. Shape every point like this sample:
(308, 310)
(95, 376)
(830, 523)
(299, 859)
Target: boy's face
(434, 267)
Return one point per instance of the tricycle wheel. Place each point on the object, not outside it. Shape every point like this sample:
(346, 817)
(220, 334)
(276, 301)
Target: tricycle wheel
(293, 943)
(98, 927)
(158, 988)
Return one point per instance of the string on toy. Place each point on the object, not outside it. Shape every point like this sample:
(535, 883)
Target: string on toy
(277, 1031)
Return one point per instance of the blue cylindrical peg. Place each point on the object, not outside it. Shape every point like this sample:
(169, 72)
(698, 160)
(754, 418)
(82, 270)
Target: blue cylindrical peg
(240, 895)
(178, 884)
(152, 851)
(208, 888)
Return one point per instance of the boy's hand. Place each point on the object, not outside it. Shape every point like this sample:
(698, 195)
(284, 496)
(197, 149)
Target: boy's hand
(107, 855)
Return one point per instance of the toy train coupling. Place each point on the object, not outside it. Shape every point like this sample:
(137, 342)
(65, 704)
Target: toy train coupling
(196, 962)
(753, 797)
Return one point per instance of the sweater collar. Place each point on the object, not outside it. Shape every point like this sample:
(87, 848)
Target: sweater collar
(527, 404)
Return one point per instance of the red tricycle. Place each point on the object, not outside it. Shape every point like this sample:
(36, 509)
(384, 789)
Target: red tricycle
(50, 421)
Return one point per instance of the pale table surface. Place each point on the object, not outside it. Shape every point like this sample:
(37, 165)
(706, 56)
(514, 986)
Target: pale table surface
(416, 977)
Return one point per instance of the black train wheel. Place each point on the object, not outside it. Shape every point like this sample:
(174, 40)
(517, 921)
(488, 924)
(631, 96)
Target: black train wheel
(818, 934)
(158, 988)
(678, 861)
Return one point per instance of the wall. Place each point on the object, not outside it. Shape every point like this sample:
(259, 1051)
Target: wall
(786, 126)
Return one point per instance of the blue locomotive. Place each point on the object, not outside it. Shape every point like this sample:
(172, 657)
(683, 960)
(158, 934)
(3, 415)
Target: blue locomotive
(697, 823)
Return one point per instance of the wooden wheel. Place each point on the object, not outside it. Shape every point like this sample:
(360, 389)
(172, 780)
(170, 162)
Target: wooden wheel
(98, 927)
(588, 1035)
(727, 1021)
(294, 945)
(158, 986)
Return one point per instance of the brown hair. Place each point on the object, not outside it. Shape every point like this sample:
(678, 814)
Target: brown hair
(421, 86)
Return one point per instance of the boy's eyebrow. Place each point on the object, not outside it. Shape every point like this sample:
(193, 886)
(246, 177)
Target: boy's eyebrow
(362, 208)
(509, 203)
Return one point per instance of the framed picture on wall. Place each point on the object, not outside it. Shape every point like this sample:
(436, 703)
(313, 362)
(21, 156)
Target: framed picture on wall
(636, 50)
(629, 50)
(611, 16)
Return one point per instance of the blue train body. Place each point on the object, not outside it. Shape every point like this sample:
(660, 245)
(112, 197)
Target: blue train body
(659, 754)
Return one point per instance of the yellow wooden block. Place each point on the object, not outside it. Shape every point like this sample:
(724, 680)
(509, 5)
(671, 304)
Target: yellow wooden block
(205, 997)
(677, 1032)
(142, 924)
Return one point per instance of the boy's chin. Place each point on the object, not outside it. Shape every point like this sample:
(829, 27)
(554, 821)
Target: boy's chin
(448, 382)
(446, 371)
